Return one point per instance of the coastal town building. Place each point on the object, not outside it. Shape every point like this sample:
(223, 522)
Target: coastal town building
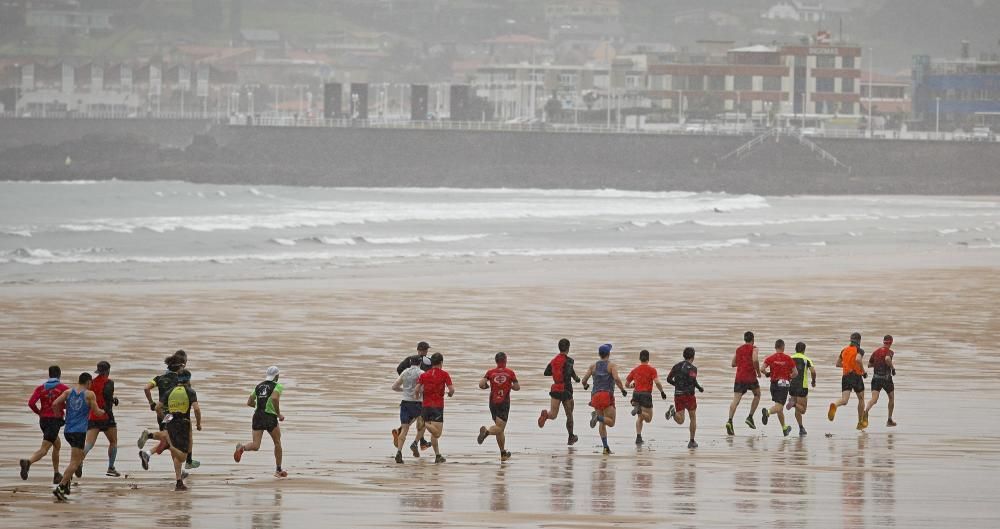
(816, 82)
(956, 93)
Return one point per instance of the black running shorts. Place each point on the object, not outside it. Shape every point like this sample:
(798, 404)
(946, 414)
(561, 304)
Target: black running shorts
(500, 411)
(798, 392)
(852, 382)
(642, 399)
(883, 384)
(50, 428)
(433, 414)
(561, 396)
(742, 388)
(779, 394)
(264, 422)
(75, 439)
(102, 426)
(179, 431)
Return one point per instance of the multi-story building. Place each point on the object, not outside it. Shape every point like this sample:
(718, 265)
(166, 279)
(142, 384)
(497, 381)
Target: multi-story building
(521, 90)
(956, 93)
(816, 82)
(890, 95)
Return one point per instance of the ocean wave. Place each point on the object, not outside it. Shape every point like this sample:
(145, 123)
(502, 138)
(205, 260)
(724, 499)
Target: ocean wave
(781, 222)
(46, 257)
(16, 233)
(283, 242)
(297, 214)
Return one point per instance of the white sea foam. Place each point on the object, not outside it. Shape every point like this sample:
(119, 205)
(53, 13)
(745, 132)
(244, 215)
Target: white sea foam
(299, 214)
(283, 242)
(23, 233)
(46, 257)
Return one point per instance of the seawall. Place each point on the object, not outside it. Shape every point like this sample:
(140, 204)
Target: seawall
(395, 157)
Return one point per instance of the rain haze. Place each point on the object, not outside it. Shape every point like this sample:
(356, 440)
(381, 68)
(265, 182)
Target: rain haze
(275, 241)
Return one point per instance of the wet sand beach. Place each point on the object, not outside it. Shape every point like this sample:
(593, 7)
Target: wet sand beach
(338, 340)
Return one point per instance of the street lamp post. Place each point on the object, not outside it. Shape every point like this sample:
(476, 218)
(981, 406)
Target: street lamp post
(871, 73)
(937, 115)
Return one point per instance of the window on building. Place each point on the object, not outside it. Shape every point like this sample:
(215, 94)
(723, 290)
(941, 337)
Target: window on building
(847, 85)
(631, 81)
(800, 61)
(696, 82)
(717, 82)
(567, 79)
(826, 61)
(537, 77)
(824, 84)
(743, 82)
(847, 62)
(772, 84)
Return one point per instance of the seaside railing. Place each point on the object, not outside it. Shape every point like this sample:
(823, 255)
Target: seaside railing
(519, 126)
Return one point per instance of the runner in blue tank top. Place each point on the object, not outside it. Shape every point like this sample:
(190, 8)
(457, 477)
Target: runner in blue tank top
(79, 401)
(602, 397)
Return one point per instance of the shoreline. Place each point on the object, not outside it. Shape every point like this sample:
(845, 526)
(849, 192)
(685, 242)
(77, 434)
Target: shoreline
(513, 272)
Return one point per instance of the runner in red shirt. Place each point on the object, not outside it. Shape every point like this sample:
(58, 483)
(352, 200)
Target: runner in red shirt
(747, 372)
(50, 420)
(642, 378)
(780, 368)
(883, 364)
(500, 381)
(432, 384)
(561, 370)
(104, 388)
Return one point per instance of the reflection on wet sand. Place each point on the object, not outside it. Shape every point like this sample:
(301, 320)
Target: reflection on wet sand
(852, 483)
(271, 518)
(174, 512)
(602, 488)
(561, 481)
(883, 490)
(642, 485)
(685, 500)
(499, 495)
(746, 486)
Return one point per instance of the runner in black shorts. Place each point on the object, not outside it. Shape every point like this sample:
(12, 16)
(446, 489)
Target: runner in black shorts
(882, 362)
(641, 379)
(176, 410)
(500, 381)
(799, 390)
(500, 411)
(266, 401)
(560, 368)
(50, 421)
(432, 385)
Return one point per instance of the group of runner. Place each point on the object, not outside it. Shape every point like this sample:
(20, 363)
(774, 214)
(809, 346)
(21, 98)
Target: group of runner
(87, 409)
(423, 381)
